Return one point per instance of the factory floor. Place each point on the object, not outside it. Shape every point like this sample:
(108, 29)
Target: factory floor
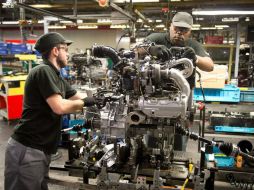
(60, 179)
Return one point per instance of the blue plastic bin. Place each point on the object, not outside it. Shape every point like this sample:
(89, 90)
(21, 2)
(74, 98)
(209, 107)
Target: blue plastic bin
(247, 95)
(3, 51)
(224, 161)
(230, 93)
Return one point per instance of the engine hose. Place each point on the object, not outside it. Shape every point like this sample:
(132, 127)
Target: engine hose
(241, 184)
(106, 51)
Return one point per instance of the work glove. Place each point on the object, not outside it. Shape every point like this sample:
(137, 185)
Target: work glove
(89, 101)
(160, 51)
(190, 54)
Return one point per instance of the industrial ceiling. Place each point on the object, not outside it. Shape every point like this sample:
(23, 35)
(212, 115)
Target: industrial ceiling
(117, 11)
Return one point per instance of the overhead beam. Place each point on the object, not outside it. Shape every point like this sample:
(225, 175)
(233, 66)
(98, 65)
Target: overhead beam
(119, 9)
(44, 12)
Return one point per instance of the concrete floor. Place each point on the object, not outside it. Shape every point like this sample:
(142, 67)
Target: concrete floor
(6, 130)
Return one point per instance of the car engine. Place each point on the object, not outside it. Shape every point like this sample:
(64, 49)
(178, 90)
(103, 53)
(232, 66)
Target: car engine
(132, 129)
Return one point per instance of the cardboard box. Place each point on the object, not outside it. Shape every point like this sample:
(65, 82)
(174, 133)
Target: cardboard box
(213, 79)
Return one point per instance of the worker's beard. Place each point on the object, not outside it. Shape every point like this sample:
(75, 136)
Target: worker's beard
(60, 62)
(178, 41)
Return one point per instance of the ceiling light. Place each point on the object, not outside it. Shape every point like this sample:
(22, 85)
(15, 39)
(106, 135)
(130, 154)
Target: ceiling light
(119, 26)
(56, 27)
(247, 19)
(88, 27)
(10, 22)
(222, 26)
(199, 18)
(195, 29)
(79, 21)
(134, 1)
(208, 28)
(195, 25)
(221, 12)
(106, 20)
(158, 20)
(230, 19)
(66, 21)
(42, 6)
(160, 26)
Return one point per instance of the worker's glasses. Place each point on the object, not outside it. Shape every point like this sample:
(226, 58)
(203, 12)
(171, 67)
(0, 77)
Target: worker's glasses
(181, 30)
(63, 47)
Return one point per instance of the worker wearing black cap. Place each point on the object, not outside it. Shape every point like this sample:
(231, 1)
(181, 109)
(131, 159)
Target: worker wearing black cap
(47, 96)
(179, 36)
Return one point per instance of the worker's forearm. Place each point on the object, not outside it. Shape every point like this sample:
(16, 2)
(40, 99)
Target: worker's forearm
(70, 106)
(205, 63)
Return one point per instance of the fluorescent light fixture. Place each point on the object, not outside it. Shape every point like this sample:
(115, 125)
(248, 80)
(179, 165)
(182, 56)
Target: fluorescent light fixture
(221, 26)
(42, 6)
(211, 28)
(119, 26)
(199, 18)
(195, 29)
(56, 27)
(104, 21)
(195, 25)
(135, 1)
(158, 20)
(160, 26)
(230, 19)
(208, 28)
(88, 27)
(150, 20)
(222, 12)
(146, 26)
(66, 21)
(10, 22)
(79, 21)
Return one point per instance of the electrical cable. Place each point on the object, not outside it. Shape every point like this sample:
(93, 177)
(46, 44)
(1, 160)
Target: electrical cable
(200, 84)
(188, 176)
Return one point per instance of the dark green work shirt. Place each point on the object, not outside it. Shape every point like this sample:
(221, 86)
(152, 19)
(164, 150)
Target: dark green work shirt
(163, 39)
(39, 126)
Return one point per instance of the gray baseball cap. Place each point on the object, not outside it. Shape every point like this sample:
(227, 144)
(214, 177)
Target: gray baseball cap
(182, 19)
(49, 40)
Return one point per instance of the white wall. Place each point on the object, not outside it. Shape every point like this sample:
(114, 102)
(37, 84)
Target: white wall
(82, 39)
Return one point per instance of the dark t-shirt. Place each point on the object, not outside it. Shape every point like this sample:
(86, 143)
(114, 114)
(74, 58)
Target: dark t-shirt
(39, 127)
(163, 39)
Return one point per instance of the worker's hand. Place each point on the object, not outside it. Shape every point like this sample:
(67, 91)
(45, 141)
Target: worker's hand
(89, 101)
(160, 52)
(190, 54)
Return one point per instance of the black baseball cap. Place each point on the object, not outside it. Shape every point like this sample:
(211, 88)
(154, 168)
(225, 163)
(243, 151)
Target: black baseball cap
(48, 41)
(182, 19)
